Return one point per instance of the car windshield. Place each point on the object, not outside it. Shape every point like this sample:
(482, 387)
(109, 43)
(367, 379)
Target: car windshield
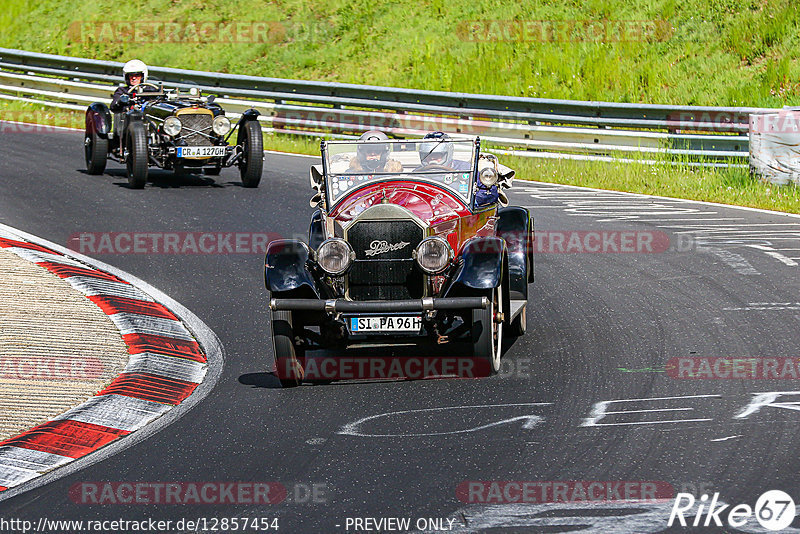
(446, 163)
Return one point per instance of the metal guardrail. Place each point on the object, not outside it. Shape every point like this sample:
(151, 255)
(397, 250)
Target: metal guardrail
(524, 126)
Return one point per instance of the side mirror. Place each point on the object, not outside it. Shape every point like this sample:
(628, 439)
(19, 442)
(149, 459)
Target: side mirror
(502, 198)
(211, 98)
(316, 177)
(506, 176)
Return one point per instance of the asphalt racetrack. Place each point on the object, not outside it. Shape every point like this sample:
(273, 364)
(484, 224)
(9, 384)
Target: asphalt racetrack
(603, 325)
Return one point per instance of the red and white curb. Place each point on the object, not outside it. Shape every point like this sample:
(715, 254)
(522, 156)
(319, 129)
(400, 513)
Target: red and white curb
(166, 366)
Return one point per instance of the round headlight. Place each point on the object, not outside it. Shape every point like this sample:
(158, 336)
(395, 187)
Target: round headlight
(433, 255)
(488, 176)
(221, 125)
(172, 126)
(335, 256)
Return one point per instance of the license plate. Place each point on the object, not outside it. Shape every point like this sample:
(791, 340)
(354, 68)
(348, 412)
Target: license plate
(385, 324)
(200, 151)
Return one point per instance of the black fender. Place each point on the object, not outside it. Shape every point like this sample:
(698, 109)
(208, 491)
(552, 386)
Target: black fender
(316, 230)
(514, 226)
(250, 115)
(481, 267)
(98, 119)
(286, 269)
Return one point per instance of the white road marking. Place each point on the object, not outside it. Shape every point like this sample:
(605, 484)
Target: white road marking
(737, 262)
(727, 438)
(775, 254)
(599, 411)
(675, 214)
(352, 429)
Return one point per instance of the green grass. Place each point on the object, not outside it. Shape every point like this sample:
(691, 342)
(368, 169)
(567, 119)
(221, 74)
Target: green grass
(708, 52)
(727, 185)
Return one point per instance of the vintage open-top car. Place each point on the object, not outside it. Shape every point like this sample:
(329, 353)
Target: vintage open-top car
(409, 239)
(181, 131)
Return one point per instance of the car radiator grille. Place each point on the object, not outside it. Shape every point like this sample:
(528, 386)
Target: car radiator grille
(196, 121)
(387, 274)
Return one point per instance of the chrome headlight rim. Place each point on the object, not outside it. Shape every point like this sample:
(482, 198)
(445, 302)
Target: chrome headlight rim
(335, 241)
(446, 246)
(221, 125)
(488, 176)
(172, 126)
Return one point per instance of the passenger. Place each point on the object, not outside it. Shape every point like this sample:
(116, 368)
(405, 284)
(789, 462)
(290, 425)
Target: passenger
(439, 152)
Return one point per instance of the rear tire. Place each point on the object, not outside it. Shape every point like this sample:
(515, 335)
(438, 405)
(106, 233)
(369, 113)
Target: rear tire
(487, 333)
(289, 359)
(136, 158)
(95, 151)
(252, 163)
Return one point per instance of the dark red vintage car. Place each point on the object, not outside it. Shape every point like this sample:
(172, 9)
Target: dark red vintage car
(410, 238)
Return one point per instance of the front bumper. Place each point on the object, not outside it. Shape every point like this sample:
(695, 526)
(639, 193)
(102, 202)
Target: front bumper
(380, 306)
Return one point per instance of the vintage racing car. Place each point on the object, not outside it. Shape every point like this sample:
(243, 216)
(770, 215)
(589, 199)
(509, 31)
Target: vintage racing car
(402, 245)
(172, 130)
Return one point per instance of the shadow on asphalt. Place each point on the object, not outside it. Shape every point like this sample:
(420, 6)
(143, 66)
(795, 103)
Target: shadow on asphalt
(270, 380)
(168, 179)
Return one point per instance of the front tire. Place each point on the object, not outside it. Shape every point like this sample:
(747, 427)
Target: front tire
(519, 325)
(252, 162)
(487, 332)
(289, 359)
(95, 151)
(136, 157)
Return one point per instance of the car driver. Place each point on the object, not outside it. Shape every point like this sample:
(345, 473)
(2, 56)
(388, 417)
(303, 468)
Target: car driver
(374, 157)
(135, 73)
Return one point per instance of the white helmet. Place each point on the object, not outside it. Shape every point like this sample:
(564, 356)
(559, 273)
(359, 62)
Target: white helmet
(134, 66)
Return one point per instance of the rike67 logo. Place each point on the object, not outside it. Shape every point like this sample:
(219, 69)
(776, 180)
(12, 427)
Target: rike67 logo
(774, 510)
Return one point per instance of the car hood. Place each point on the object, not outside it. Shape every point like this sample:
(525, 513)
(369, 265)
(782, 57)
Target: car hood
(430, 204)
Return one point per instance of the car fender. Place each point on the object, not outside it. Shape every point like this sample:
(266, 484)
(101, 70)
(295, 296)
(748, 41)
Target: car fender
(98, 119)
(514, 227)
(286, 269)
(481, 267)
(250, 115)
